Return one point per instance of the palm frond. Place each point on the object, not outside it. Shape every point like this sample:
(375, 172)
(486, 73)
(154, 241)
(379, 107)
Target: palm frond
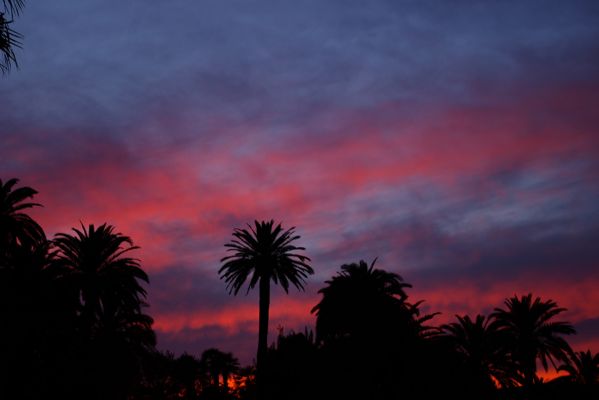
(93, 260)
(264, 251)
(16, 227)
(9, 40)
(13, 7)
(533, 333)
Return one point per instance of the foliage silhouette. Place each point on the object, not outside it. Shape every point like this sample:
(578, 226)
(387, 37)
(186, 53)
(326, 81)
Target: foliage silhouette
(480, 343)
(533, 334)
(16, 227)
(107, 302)
(9, 39)
(93, 262)
(360, 300)
(295, 367)
(26, 306)
(27, 315)
(167, 377)
(583, 367)
(74, 326)
(370, 333)
(263, 253)
(186, 371)
(219, 364)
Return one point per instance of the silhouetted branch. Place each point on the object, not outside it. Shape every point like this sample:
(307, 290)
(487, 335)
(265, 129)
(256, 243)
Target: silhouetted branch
(9, 39)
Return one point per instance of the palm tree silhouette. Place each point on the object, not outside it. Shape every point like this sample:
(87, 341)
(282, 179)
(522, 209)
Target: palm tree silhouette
(17, 228)
(358, 299)
(107, 282)
(263, 253)
(533, 334)
(583, 367)
(480, 343)
(219, 364)
(367, 330)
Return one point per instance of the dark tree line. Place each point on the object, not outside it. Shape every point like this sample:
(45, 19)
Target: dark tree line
(72, 308)
(372, 342)
(74, 324)
(74, 321)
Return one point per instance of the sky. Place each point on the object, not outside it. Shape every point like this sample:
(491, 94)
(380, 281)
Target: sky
(458, 142)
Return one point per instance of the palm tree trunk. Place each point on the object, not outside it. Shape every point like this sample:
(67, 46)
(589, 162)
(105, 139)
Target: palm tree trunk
(262, 336)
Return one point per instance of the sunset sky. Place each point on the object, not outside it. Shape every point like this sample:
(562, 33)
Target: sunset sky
(458, 142)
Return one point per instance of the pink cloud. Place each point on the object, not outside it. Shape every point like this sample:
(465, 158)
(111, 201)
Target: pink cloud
(285, 311)
(180, 203)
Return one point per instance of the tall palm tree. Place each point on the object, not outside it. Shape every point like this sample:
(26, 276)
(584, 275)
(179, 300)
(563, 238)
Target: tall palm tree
(479, 342)
(107, 282)
(583, 367)
(533, 334)
(17, 228)
(263, 253)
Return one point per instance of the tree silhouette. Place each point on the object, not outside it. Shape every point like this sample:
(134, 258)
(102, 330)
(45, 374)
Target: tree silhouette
(360, 299)
(533, 334)
(107, 299)
(368, 331)
(9, 39)
(28, 316)
(184, 374)
(264, 253)
(107, 283)
(16, 227)
(480, 343)
(33, 322)
(583, 367)
(218, 364)
(295, 366)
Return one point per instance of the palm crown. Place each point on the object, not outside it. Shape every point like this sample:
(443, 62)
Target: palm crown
(264, 252)
(94, 261)
(583, 367)
(479, 342)
(533, 333)
(17, 228)
(360, 297)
